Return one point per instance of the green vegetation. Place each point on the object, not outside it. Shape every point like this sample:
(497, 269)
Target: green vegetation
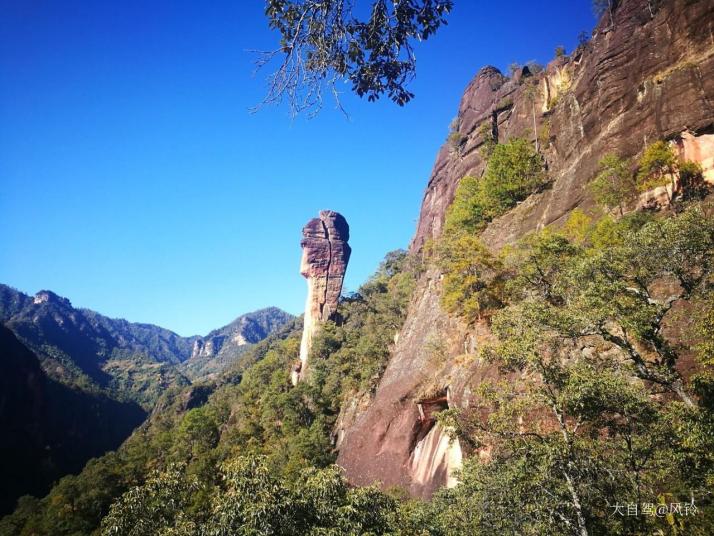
(514, 171)
(658, 167)
(472, 283)
(253, 500)
(593, 326)
(614, 186)
(691, 181)
(488, 139)
(472, 277)
(246, 451)
(605, 399)
(455, 139)
(322, 44)
(594, 410)
(544, 134)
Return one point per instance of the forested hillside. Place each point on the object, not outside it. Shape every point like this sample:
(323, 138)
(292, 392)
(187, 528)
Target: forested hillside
(205, 443)
(77, 383)
(539, 362)
(50, 429)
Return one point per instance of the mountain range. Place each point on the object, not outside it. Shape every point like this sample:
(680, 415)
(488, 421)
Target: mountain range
(76, 383)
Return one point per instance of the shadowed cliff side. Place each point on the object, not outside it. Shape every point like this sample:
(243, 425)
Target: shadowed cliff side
(49, 429)
(644, 76)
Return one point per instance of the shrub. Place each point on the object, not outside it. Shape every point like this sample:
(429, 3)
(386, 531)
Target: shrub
(472, 276)
(614, 186)
(658, 167)
(514, 172)
(488, 138)
(691, 180)
(455, 139)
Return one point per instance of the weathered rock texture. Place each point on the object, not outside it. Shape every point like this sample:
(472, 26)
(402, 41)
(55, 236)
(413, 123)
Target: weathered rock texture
(325, 254)
(641, 78)
(219, 349)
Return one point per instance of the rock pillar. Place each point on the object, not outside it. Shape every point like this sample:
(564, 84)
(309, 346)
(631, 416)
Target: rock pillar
(325, 254)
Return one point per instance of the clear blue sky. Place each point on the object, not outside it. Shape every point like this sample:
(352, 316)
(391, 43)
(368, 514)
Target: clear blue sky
(134, 181)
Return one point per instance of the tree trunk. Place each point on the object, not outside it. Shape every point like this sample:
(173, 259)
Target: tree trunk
(535, 126)
(582, 528)
(678, 389)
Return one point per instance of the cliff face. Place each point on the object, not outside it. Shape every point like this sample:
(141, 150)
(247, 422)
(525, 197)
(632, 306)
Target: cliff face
(49, 429)
(638, 79)
(325, 254)
(645, 75)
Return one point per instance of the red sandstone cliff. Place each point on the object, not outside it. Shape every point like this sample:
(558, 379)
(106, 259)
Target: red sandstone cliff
(644, 76)
(325, 254)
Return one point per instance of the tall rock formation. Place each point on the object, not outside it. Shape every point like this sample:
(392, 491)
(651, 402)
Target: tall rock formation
(647, 74)
(325, 254)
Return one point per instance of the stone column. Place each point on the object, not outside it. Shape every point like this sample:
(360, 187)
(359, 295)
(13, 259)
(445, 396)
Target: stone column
(325, 254)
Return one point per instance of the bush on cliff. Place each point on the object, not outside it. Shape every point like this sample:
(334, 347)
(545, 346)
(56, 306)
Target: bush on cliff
(514, 171)
(614, 186)
(472, 275)
(596, 413)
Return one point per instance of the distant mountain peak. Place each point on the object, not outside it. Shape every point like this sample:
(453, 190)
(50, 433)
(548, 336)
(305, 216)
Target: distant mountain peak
(47, 296)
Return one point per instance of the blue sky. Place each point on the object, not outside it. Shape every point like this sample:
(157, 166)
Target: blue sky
(134, 181)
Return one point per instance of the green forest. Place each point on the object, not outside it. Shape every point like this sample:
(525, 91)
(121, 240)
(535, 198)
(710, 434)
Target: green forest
(537, 361)
(593, 412)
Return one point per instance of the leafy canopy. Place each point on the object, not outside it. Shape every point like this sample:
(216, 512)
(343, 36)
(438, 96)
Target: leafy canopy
(614, 186)
(591, 408)
(323, 42)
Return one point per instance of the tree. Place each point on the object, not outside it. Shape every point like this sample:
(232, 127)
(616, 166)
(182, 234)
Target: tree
(466, 212)
(322, 42)
(157, 507)
(658, 167)
(252, 500)
(585, 421)
(488, 139)
(547, 453)
(472, 281)
(514, 172)
(691, 180)
(614, 186)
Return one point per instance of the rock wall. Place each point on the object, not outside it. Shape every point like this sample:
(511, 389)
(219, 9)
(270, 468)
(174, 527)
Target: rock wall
(325, 254)
(435, 459)
(642, 77)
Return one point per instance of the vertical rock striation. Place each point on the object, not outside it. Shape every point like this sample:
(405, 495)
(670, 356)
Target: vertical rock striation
(325, 254)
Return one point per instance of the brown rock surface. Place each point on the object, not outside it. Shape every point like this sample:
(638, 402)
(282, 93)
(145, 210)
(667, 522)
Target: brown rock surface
(325, 254)
(640, 79)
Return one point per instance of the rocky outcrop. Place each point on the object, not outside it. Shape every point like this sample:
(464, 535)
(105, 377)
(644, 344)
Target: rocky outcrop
(639, 79)
(325, 254)
(47, 296)
(222, 347)
(643, 76)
